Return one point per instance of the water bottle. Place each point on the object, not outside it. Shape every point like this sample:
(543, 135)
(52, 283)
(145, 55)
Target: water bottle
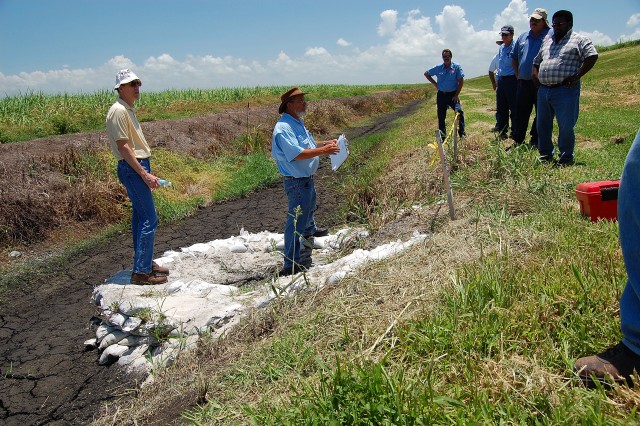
(164, 183)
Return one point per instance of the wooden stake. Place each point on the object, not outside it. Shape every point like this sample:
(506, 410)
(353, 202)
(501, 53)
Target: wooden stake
(445, 176)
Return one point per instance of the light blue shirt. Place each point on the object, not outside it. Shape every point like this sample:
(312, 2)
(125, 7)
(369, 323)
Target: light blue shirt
(505, 64)
(525, 49)
(290, 138)
(447, 78)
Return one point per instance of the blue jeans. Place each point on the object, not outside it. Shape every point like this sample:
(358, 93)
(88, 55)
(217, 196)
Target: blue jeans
(444, 101)
(144, 220)
(526, 100)
(300, 192)
(563, 103)
(629, 223)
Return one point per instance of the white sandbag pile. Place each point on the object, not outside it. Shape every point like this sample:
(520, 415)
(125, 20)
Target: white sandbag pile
(143, 327)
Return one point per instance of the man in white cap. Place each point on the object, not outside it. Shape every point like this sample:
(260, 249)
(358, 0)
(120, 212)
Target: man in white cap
(132, 151)
(296, 154)
(525, 48)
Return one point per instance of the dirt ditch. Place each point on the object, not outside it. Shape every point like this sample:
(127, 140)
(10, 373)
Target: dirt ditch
(46, 377)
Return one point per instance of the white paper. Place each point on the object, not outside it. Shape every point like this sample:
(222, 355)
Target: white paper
(338, 159)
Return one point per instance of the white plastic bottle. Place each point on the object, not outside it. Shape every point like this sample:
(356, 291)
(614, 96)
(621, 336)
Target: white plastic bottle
(164, 183)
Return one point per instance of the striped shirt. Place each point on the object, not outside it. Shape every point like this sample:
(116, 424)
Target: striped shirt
(558, 61)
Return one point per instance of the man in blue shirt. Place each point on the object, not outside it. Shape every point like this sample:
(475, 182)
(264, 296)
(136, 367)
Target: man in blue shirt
(507, 83)
(450, 80)
(524, 50)
(296, 154)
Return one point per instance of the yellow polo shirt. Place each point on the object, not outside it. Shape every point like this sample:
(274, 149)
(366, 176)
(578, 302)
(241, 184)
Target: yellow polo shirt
(123, 124)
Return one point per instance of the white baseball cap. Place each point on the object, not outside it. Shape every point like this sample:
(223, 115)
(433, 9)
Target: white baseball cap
(125, 76)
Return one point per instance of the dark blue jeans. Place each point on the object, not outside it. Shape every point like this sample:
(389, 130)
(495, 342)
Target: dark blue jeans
(629, 225)
(144, 220)
(444, 101)
(526, 100)
(563, 103)
(506, 103)
(301, 192)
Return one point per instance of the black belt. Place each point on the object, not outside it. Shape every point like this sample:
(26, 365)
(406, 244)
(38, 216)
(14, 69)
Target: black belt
(506, 76)
(291, 177)
(137, 159)
(552, 86)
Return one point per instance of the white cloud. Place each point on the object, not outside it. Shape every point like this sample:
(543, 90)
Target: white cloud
(316, 51)
(597, 38)
(628, 37)
(409, 44)
(388, 21)
(633, 20)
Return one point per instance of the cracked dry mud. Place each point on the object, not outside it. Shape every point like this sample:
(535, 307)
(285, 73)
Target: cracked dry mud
(46, 376)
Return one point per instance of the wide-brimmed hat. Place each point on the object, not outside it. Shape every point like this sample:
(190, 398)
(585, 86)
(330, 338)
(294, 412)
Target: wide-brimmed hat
(125, 76)
(540, 13)
(294, 91)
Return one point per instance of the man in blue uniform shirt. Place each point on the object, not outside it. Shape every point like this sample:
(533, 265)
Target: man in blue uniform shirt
(507, 83)
(296, 154)
(450, 80)
(525, 48)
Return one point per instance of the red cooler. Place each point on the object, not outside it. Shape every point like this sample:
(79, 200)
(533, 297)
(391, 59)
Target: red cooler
(599, 200)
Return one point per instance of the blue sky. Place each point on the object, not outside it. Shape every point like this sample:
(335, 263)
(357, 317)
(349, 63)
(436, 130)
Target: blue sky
(73, 46)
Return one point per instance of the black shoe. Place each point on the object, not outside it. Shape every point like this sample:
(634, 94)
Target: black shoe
(547, 159)
(291, 270)
(321, 232)
(617, 363)
(495, 129)
(564, 162)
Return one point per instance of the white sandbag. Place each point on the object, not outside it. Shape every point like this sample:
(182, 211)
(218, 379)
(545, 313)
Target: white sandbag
(238, 248)
(131, 324)
(135, 340)
(133, 354)
(112, 338)
(90, 344)
(111, 354)
(102, 330)
(117, 319)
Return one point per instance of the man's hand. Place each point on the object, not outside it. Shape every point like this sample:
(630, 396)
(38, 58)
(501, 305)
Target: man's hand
(331, 147)
(571, 81)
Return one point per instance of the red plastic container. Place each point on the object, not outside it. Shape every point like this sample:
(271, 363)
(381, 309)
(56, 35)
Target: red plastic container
(599, 200)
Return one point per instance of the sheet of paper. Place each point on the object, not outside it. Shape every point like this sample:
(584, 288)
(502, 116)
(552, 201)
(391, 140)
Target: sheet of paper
(338, 159)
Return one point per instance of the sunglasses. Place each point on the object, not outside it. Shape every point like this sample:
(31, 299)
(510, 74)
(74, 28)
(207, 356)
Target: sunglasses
(134, 83)
(446, 56)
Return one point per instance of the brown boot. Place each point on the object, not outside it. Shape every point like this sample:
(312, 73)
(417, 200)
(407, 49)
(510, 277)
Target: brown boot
(159, 270)
(616, 364)
(147, 279)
